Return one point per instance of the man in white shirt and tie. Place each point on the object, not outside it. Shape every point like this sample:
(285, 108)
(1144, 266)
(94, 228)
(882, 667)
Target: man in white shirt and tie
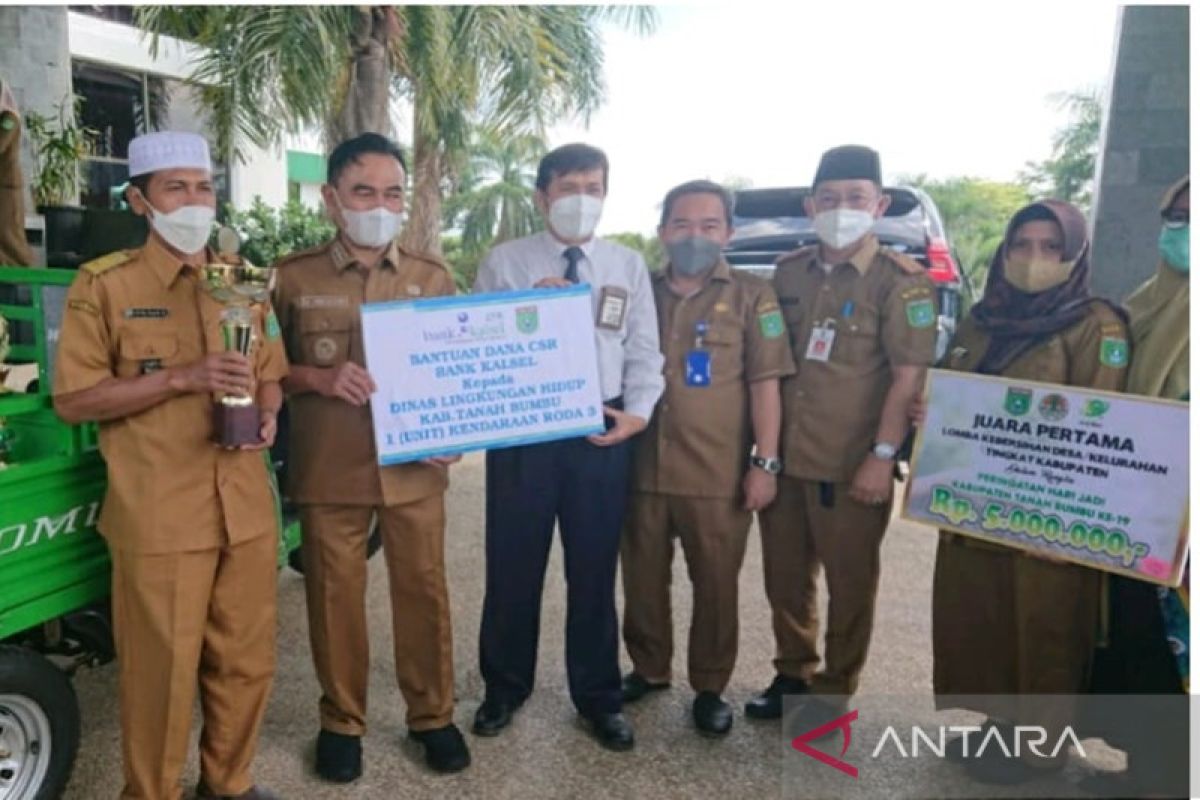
(582, 483)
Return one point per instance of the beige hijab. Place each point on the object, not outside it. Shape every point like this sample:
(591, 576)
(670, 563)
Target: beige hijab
(1159, 319)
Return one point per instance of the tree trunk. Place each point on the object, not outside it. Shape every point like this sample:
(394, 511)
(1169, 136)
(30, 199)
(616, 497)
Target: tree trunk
(423, 232)
(365, 107)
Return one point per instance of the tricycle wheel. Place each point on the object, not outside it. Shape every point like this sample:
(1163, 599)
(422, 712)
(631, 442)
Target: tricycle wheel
(39, 726)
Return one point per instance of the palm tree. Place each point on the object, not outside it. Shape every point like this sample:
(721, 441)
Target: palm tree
(493, 201)
(266, 70)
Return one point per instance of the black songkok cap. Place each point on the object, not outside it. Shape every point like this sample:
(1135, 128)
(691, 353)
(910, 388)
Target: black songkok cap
(849, 162)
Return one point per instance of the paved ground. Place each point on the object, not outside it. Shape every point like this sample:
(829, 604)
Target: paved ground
(545, 754)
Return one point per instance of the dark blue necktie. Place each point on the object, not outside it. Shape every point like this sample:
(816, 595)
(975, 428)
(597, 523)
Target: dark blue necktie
(573, 255)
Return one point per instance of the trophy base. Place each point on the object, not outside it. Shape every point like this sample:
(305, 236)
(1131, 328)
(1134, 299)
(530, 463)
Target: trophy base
(234, 426)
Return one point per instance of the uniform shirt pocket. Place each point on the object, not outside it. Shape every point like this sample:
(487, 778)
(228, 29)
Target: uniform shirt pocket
(325, 336)
(724, 341)
(144, 352)
(859, 335)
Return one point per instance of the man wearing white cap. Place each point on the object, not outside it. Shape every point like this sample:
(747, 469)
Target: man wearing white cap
(191, 527)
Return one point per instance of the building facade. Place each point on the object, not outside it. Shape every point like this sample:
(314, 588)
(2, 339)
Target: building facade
(97, 55)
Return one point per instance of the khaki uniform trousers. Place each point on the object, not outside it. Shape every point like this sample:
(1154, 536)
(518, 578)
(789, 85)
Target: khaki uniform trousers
(179, 618)
(712, 532)
(801, 535)
(335, 580)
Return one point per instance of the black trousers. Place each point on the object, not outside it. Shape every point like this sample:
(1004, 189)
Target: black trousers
(585, 488)
(1139, 661)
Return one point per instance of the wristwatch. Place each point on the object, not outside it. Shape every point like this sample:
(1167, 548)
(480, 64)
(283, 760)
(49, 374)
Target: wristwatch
(772, 466)
(884, 451)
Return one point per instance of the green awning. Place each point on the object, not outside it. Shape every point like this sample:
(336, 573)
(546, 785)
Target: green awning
(305, 167)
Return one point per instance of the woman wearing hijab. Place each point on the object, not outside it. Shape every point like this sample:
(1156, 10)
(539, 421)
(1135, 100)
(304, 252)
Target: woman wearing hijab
(1008, 622)
(1146, 651)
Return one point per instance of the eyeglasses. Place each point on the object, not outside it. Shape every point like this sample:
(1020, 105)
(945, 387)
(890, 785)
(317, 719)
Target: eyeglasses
(1176, 218)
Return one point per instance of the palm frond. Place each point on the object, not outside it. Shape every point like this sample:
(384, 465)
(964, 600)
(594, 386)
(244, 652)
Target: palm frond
(263, 69)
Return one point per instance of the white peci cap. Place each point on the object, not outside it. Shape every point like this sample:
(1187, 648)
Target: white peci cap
(161, 150)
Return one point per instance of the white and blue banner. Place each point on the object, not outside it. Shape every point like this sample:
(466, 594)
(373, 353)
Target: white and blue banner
(475, 372)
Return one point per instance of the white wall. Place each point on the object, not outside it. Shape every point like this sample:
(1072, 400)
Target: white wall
(124, 46)
(310, 195)
(263, 173)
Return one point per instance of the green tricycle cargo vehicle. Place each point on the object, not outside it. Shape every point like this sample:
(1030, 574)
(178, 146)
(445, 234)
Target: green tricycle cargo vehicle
(54, 566)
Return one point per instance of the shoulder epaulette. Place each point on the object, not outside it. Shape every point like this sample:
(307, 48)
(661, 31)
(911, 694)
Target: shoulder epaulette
(426, 257)
(1110, 318)
(309, 251)
(906, 264)
(802, 252)
(98, 266)
(748, 278)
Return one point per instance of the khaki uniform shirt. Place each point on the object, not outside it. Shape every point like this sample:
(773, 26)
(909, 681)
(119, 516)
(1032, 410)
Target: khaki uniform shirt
(332, 457)
(698, 441)
(1093, 353)
(881, 308)
(170, 489)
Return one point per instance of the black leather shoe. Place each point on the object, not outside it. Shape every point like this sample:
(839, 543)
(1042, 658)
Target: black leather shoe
(769, 704)
(611, 730)
(445, 750)
(634, 687)
(339, 756)
(492, 717)
(712, 715)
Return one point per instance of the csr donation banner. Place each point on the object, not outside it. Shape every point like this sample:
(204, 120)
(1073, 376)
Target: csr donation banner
(455, 374)
(1097, 478)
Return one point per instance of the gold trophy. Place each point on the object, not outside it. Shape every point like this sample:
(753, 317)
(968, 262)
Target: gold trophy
(242, 289)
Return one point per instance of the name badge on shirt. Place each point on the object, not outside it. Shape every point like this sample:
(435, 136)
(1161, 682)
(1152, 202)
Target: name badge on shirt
(323, 301)
(820, 344)
(613, 303)
(146, 313)
(698, 368)
(698, 363)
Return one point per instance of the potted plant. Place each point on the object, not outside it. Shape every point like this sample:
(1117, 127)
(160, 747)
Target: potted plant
(58, 144)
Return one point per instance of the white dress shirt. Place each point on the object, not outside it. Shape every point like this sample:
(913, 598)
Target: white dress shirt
(630, 361)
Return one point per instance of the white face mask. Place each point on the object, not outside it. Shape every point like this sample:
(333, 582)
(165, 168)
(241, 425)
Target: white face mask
(842, 227)
(575, 216)
(374, 228)
(186, 229)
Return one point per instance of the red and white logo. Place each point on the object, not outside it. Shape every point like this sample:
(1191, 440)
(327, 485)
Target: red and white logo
(843, 722)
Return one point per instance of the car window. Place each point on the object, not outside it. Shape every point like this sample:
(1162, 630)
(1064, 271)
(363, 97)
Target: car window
(778, 215)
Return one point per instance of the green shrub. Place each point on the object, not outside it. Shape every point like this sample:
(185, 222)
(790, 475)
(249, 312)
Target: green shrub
(268, 234)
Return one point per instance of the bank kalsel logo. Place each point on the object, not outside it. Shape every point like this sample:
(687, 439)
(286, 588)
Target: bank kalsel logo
(1018, 401)
(1053, 407)
(463, 328)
